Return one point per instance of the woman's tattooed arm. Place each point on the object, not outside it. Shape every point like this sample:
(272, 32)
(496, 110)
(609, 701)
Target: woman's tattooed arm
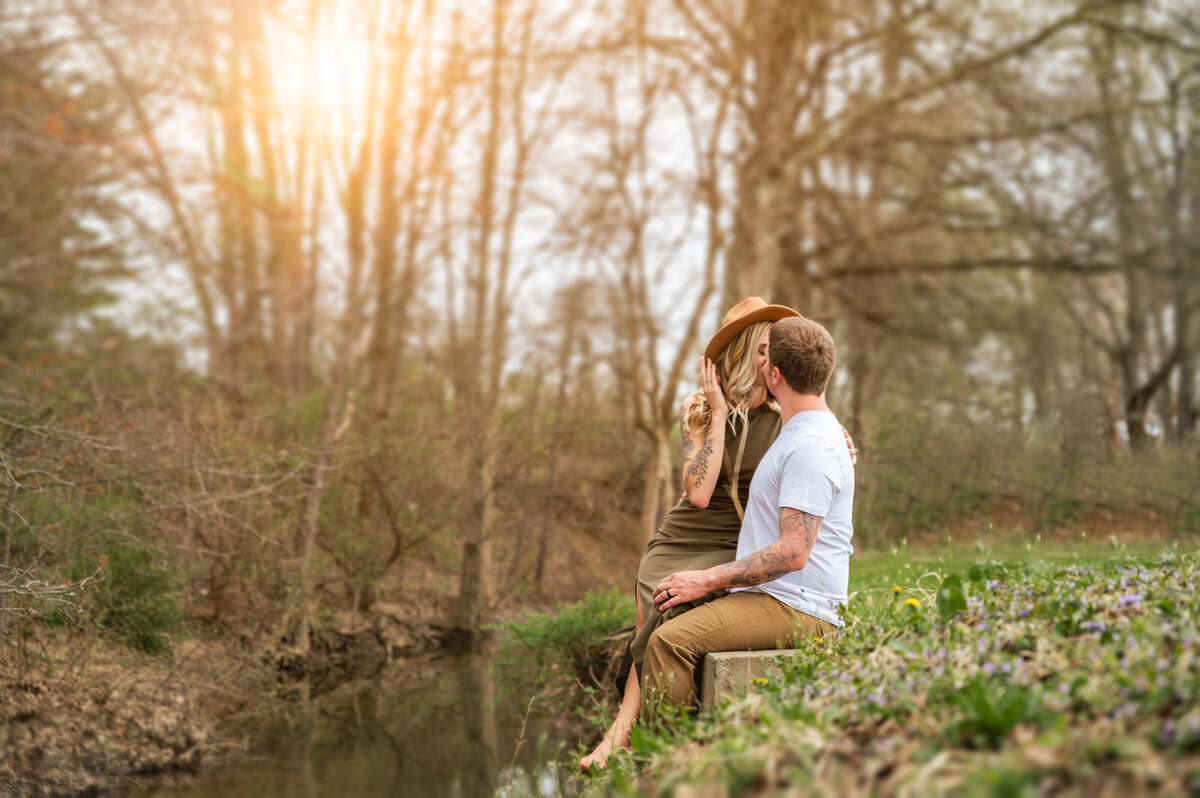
(698, 469)
(701, 449)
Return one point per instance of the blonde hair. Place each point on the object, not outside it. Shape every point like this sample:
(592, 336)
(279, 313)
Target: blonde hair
(737, 366)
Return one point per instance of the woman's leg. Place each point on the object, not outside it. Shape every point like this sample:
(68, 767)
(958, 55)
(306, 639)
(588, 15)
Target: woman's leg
(617, 735)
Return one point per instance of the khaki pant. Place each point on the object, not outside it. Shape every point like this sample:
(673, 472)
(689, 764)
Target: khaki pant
(737, 622)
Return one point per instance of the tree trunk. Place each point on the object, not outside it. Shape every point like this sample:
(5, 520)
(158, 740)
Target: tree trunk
(475, 576)
(766, 216)
(658, 489)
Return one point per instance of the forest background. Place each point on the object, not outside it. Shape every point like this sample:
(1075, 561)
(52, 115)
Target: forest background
(308, 304)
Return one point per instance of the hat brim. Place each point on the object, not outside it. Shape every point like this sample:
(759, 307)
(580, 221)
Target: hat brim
(727, 333)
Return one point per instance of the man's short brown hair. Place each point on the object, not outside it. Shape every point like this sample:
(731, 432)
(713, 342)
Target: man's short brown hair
(803, 352)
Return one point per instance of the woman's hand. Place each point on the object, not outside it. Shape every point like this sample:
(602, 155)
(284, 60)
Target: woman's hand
(710, 383)
(682, 587)
(850, 446)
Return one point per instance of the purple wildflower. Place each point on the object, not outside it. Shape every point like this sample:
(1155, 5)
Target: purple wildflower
(1166, 735)
(1129, 599)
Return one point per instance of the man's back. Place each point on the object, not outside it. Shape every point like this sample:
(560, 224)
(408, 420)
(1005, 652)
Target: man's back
(808, 468)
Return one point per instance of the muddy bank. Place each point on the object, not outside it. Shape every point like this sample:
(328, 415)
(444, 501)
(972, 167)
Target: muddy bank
(113, 715)
(63, 739)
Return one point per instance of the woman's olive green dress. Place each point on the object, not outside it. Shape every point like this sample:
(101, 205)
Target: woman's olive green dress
(691, 538)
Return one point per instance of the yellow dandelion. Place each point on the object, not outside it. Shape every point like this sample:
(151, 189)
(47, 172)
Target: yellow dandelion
(911, 602)
(759, 681)
(897, 589)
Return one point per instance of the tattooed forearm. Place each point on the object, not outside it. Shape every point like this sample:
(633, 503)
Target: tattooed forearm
(754, 569)
(797, 535)
(698, 468)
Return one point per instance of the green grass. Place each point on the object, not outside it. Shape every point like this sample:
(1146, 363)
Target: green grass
(972, 671)
(903, 565)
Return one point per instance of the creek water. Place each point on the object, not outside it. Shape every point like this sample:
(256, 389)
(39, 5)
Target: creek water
(434, 727)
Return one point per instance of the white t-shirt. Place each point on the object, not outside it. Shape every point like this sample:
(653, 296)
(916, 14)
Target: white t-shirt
(808, 468)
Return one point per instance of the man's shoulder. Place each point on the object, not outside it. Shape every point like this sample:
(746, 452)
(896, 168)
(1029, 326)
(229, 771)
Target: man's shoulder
(812, 429)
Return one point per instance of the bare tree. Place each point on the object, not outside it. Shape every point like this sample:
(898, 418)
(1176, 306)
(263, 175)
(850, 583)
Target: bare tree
(628, 197)
(518, 101)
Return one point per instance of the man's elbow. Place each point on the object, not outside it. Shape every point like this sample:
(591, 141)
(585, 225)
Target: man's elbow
(800, 560)
(698, 499)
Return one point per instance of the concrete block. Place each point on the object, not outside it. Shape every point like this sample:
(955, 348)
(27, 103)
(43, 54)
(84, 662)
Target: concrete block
(726, 674)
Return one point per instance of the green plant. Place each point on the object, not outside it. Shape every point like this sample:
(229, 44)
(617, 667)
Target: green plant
(137, 600)
(990, 709)
(950, 598)
(569, 642)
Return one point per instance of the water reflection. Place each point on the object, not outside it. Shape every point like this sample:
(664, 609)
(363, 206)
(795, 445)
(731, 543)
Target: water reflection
(478, 691)
(435, 727)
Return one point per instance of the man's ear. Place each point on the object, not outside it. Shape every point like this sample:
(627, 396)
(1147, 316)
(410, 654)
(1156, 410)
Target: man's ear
(773, 377)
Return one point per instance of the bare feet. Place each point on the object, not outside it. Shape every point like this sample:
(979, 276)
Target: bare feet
(620, 728)
(598, 757)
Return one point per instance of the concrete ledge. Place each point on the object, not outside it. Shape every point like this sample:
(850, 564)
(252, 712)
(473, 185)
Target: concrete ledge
(727, 674)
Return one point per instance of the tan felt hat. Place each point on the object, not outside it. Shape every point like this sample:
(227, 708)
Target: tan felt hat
(742, 315)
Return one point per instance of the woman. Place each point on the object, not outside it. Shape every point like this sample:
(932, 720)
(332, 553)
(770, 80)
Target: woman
(726, 428)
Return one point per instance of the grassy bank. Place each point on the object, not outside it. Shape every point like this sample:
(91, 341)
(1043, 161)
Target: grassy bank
(991, 673)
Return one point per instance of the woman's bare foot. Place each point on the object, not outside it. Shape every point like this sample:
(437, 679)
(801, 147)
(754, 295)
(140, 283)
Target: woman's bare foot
(620, 728)
(598, 757)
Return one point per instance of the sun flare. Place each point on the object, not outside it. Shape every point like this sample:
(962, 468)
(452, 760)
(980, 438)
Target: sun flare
(324, 72)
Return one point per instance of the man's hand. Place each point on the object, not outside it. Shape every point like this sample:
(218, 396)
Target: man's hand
(682, 587)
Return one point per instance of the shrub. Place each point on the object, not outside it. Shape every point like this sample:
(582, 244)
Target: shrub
(570, 642)
(137, 600)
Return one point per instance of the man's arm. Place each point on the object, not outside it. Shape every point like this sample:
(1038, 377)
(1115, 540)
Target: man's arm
(797, 534)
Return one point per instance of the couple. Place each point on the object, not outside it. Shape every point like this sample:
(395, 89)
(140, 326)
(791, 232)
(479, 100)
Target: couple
(781, 473)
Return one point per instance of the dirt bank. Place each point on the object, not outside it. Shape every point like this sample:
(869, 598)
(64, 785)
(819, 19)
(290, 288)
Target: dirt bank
(82, 716)
(64, 739)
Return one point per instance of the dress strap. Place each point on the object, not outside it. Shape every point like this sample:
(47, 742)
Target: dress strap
(732, 485)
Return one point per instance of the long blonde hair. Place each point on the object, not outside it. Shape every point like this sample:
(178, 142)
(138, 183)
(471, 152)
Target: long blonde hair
(737, 366)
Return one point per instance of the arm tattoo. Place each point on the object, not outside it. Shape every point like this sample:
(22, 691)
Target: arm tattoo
(797, 534)
(699, 467)
(801, 527)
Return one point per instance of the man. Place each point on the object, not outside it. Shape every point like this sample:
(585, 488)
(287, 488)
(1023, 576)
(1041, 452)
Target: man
(794, 547)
